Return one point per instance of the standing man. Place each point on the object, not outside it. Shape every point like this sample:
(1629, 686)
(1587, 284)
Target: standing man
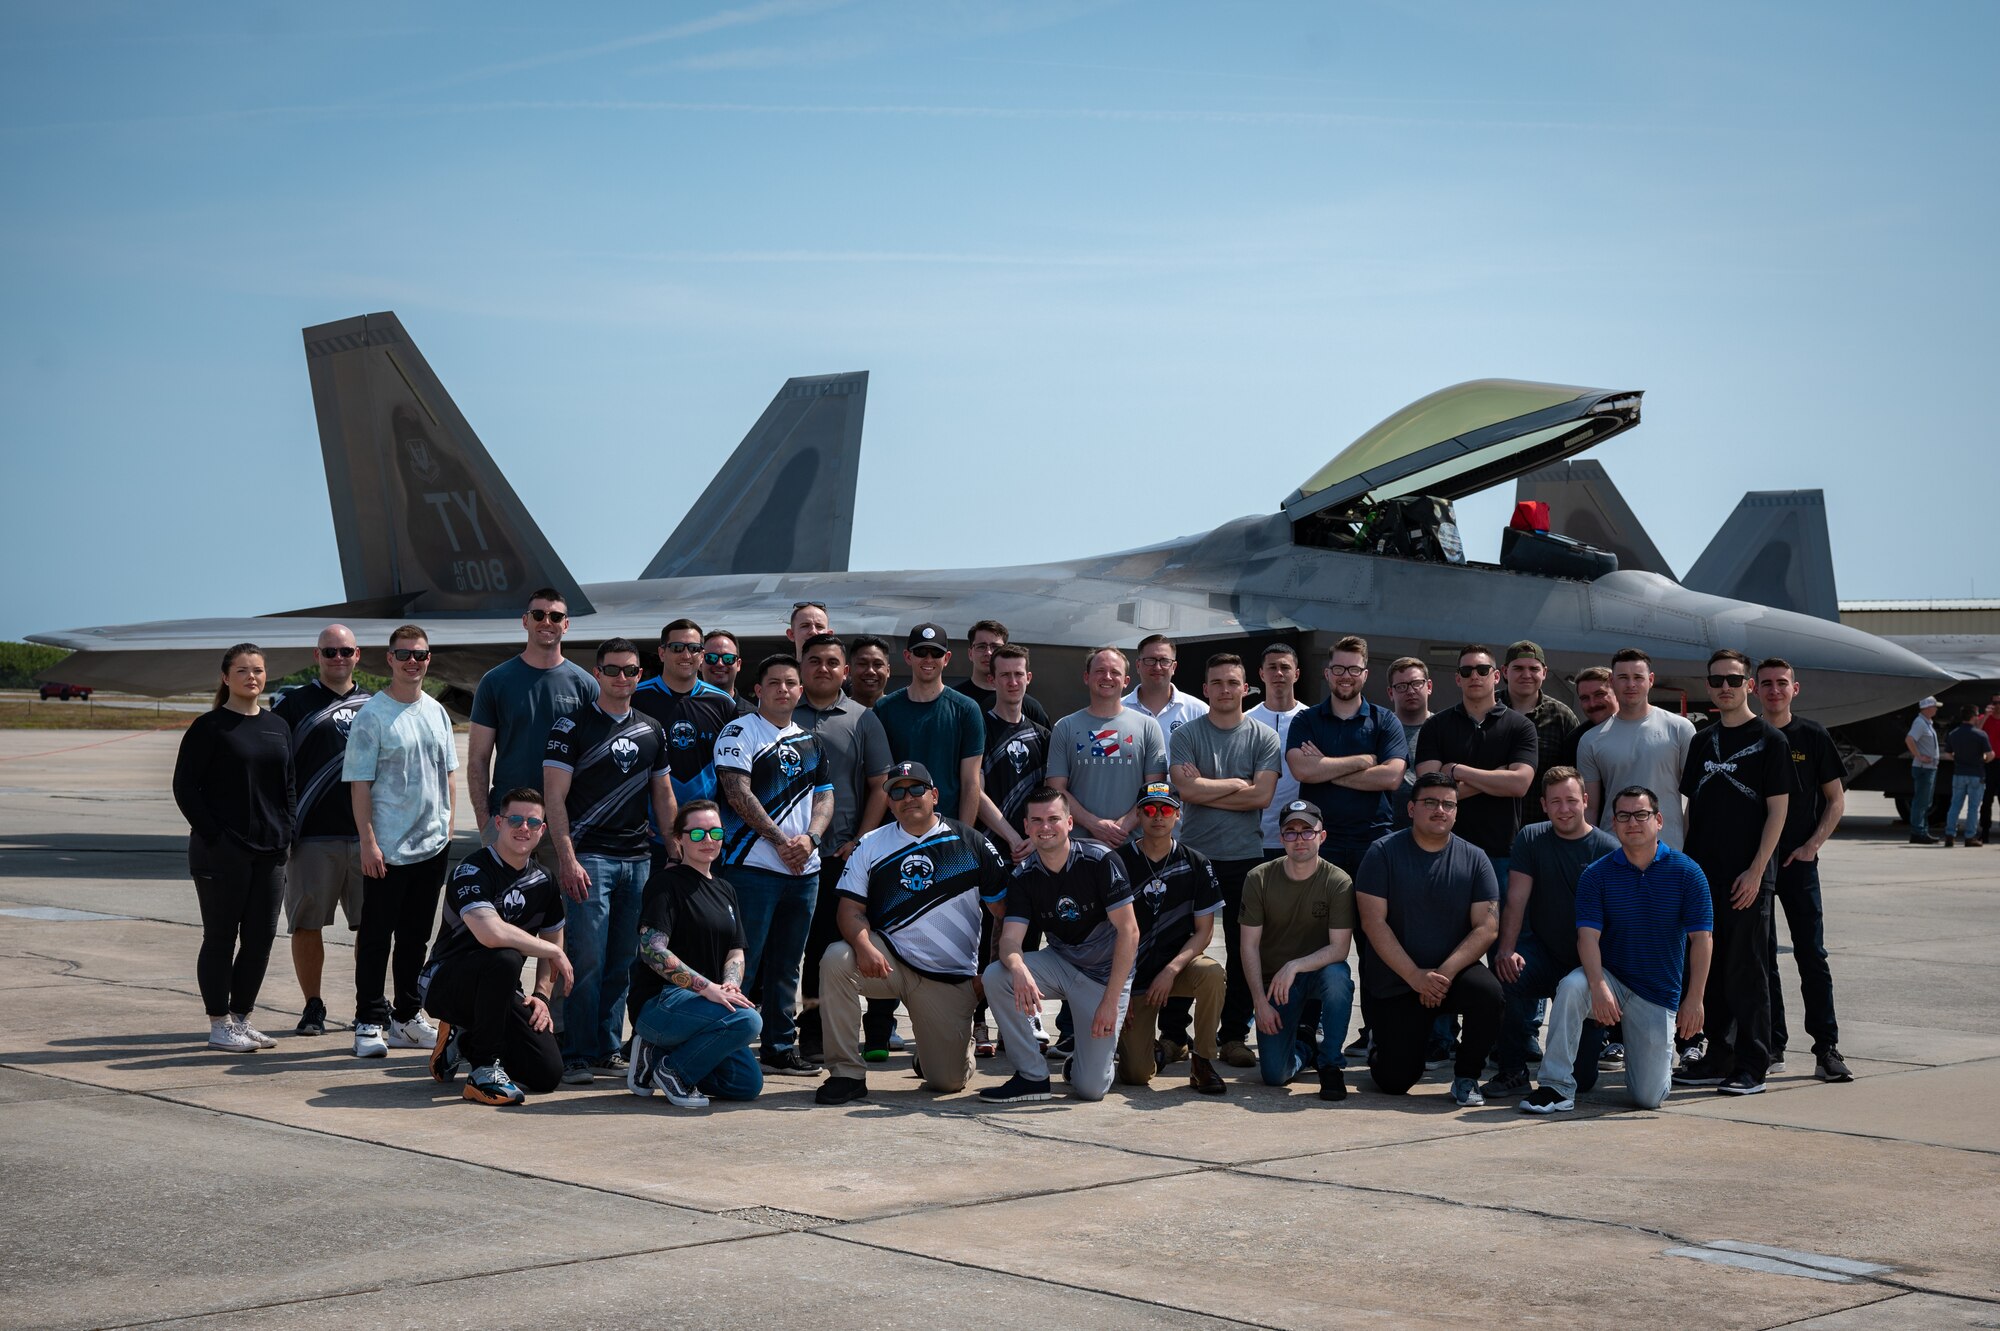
(1429, 903)
(1738, 784)
(1224, 767)
(1598, 704)
(1487, 750)
(1970, 752)
(1017, 754)
(939, 727)
(516, 703)
(398, 768)
(1298, 923)
(808, 621)
(1922, 742)
(988, 636)
(1818, 800)
(1410, 699)
(1642, 913)
(1639, 746)
(867, 669)
(1101, 757)
(1348, 754)
(721, 662)
(691, 711)
(325, 866)
(1175, 896)
(780, 805)
(1156, 695)
(1076, 891)
(1279, 670)
(910, 918)
(604, 770)
(1990, 723)
(1538, 927)
(1527, 671)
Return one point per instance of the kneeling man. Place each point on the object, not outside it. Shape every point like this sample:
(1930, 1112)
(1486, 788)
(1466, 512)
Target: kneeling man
(1638, 910)
(500, 908)
(1175, 894)
(1298, 924)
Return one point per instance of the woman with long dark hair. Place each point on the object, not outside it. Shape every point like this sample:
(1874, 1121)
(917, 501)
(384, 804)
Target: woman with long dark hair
(234, 784)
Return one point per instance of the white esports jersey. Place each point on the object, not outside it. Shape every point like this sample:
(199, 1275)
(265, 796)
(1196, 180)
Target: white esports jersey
(785, 773)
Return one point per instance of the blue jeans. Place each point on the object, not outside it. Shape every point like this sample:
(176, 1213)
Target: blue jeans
(1649, 1040)
(1537, 982)
(1280, 1056)
(706, 1043)
(777, 913)
(1923, 784)
(601, 936)
(1966, 791)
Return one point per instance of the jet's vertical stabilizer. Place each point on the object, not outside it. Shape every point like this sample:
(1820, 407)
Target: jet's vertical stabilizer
(1774, 550)
(784, 501)
(425, 521)
(1585, 506)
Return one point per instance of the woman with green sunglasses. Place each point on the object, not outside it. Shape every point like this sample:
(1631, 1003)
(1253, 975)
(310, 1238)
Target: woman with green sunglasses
(694, 1031)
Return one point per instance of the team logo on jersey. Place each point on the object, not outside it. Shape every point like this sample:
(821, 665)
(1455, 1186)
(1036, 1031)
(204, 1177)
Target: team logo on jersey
(624, 752)
(422, 464)
(564, 725)
(466, 870)
(918, 871)
(1017, 753)
(1104, 743)
(1068, 911)
(513, 903)
(732, 730)
(1154, 890)
(682, 735)
(788, 761)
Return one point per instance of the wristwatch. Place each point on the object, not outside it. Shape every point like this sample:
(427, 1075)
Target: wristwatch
(814, 838)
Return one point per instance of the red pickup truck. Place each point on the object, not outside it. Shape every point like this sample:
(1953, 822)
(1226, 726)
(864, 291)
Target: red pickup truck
(50, 689)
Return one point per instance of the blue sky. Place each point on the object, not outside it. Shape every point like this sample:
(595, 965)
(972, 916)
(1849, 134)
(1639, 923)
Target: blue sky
(1120, 271)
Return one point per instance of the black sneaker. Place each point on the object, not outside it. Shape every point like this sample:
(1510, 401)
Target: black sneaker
(1506, 1084)
(1069, 1066)
(1439, 1055)
(1359, 1046)
(1829, 1066)
(612, 1064)
(1740, 1083)
(1064, 1047)
(841, 1090)
(1703, 1071)
(1017, 1090)
(313, 1020)
(787, 1063)
(1546, 1100)
(1332, 1084)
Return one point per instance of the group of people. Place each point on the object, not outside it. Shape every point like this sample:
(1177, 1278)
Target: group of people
(1975, 775)
(718, 886)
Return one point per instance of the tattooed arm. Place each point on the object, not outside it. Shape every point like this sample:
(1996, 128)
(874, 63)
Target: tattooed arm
(736, 789)
(657, 955)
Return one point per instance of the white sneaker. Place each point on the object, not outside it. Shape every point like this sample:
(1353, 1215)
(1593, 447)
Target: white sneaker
(261, 1040)
(368, 1041)
(224, 1034)
(416, 1033)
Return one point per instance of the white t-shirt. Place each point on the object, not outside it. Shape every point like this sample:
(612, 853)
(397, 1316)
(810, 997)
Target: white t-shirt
(1288, 785)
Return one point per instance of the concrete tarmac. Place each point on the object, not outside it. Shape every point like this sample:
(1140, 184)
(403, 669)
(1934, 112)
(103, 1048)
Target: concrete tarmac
(150, 1181)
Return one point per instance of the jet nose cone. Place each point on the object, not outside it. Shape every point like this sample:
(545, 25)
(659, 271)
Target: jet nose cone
(1848, 675)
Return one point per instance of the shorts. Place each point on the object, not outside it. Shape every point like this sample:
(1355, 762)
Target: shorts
(321, 874)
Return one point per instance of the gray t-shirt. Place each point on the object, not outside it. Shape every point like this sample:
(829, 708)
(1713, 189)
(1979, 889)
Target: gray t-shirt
(1555, 864)
(1648, 753)
(1107, 760)
(853, 747)
(1250, 748)
(520, 702)
(1288, 785)
(1430, 896)
(1925, 734)
(405, 751)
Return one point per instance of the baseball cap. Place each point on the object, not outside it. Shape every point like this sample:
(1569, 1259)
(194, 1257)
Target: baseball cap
(1159, 792)
(1305, 809)
(1927, 702)
(907, 771)
(1517, 650)
(928, 635)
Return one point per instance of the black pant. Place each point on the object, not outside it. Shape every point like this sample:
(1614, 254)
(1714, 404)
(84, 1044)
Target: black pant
(1737, 1001)
(1798, 893)
(481, 995)
(1403, 1030)
(398, 907)
(1986, 800)
(240, 891)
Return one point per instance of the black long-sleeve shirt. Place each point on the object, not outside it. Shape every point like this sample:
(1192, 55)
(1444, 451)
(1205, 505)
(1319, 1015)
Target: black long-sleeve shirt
(234, 777)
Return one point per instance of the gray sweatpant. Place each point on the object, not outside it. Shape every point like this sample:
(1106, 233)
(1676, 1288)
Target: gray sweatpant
(1090, 1074)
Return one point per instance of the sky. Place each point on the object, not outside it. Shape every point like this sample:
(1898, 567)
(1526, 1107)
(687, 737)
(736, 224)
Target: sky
(1119, 271)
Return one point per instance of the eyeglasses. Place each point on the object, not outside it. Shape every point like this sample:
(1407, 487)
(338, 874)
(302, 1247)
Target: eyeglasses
(1430, 802)
(1156, 662)
(1468, 672)
(552, 616)
(338, 653)
(1726, 681)
(1408, 686)
(1633, 815)
(928, 653)
(621, 671)
(1300, 834)
(410, 653)
(1346, 672)
(986, 648)
(681, 648)
(702, 833)
(910, 791)
(1157, 810)
(721, 658)
(527, 820)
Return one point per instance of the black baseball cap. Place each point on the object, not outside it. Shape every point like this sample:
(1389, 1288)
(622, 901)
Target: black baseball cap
(1305, 809)
(908, 772)
(929, 635)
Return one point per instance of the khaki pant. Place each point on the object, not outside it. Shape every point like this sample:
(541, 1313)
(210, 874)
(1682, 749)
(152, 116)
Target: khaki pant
(1205, 981)
(940, 1016)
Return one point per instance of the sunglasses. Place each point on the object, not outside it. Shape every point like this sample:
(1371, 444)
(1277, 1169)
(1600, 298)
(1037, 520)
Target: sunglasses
(338, 653)
(721, 658)
(552, 616)
(807, 605)
(681, 648)
(1468, 672)
(1430, 803)
(1157, 810)
(928, 653)
(1726, 681)
(410, 653)
(702, 833)
(621, 671)
(909, 791)
(527, 820)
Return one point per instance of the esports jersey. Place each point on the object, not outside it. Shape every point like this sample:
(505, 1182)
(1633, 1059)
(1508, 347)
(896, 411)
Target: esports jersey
(923, 894)
(526, 898)
(319, 720)
(611, 763)
(1017, 756)
(1071, 905)
(1168, 897)
(784, 771)
(691, 721)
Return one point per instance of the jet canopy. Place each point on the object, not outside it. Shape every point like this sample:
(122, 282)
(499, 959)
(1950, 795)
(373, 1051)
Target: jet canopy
(1462, 439)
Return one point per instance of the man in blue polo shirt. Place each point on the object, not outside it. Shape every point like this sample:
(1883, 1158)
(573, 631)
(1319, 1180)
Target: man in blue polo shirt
(1639, 911)
(1348, 754)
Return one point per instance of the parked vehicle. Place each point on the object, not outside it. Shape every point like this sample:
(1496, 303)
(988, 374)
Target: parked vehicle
(51, 689)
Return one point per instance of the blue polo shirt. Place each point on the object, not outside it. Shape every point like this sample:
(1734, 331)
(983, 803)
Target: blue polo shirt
(1354, 818)
(1644, 917)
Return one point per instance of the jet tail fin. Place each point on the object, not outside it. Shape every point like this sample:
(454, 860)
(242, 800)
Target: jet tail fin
(423, 517)
(784, 501)
(1774, 550)
(1586, 506)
